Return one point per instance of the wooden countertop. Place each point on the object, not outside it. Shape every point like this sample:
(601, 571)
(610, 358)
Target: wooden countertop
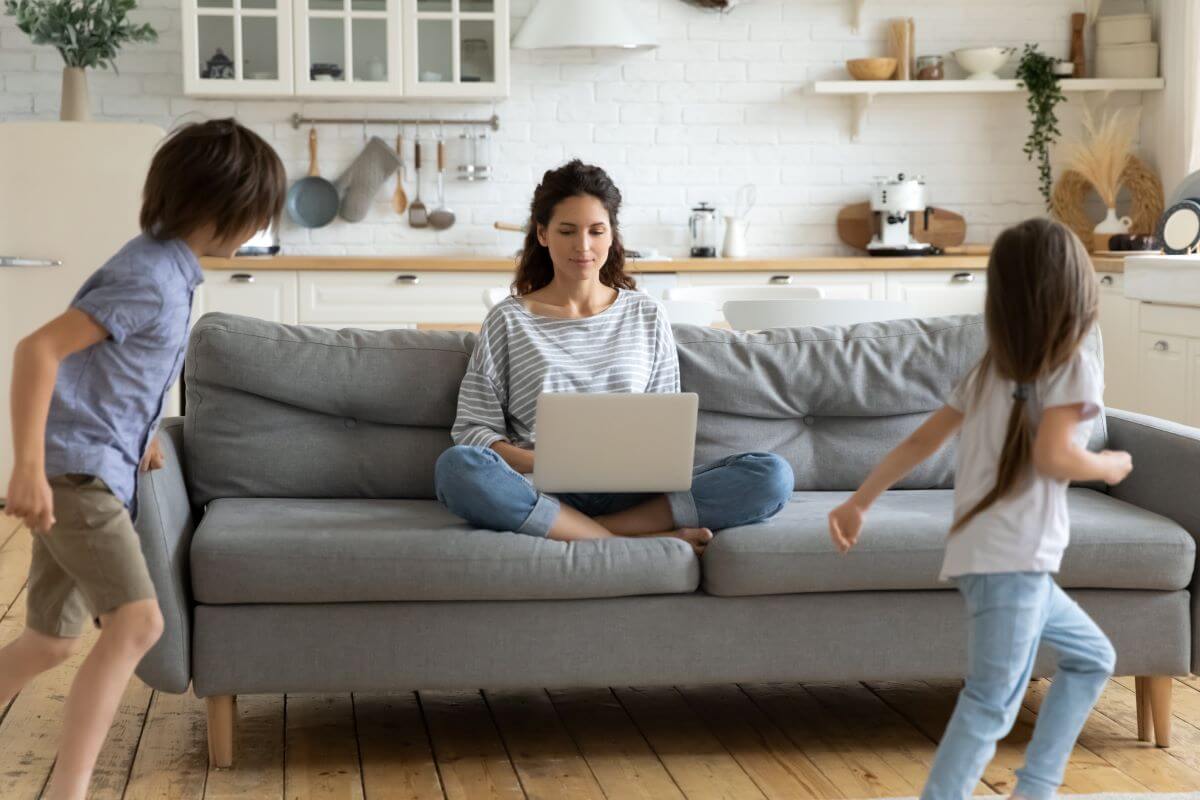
(441, 264)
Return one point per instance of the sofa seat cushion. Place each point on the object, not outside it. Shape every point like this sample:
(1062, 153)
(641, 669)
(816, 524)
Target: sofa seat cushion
(1114, 545)
(248, 550)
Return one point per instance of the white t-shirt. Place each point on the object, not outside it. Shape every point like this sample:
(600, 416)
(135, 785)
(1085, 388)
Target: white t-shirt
(1028, 529)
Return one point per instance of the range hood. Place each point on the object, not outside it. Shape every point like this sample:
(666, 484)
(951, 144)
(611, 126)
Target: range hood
(581, 23)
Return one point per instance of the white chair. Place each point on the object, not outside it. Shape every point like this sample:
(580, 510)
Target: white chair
(716, 296)
(492, 297)
(760, 315)
(690, 312)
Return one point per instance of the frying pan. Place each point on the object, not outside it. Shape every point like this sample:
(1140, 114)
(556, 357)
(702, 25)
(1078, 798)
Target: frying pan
(312, 202)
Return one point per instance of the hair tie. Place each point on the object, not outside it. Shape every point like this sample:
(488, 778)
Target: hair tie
(1022, 391)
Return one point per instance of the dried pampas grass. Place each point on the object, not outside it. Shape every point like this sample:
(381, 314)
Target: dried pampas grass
(1069, 204)
(1103, 154)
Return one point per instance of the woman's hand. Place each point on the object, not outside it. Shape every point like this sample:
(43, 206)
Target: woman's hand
(518, 458)
(31, 500)
(153, 458)
(845, 523)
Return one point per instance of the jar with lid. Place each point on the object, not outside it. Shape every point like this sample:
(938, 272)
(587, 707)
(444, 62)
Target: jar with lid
(930, 68)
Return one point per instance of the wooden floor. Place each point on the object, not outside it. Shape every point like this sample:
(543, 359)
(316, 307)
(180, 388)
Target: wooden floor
(777, 741)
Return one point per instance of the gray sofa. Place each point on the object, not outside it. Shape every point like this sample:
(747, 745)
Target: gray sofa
(296, 545)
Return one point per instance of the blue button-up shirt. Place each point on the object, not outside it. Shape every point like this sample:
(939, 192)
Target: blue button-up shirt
(108, 397)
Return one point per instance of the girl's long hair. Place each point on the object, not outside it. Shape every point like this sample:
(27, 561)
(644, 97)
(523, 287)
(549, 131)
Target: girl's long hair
(572, 179)
(1041, 304)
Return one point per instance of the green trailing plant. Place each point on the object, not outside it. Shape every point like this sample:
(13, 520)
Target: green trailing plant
(86, 33)
(1036, 74)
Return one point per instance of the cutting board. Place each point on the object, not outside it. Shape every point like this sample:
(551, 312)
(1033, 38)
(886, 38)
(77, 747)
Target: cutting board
(856, 226)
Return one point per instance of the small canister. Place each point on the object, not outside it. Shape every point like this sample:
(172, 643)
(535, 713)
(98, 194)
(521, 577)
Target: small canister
(930, 68)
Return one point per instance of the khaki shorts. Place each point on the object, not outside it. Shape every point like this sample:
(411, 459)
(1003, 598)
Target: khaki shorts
(89, 564)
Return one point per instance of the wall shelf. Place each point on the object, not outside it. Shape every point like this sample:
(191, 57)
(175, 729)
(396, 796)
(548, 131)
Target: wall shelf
(863, 93)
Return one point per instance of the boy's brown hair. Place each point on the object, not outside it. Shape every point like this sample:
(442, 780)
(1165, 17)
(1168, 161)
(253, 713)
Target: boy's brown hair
(1042, 301)
(215, 173)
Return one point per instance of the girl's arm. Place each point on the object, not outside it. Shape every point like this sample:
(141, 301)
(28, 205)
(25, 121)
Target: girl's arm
(845, 521)
(35, 368)
(1056, 454)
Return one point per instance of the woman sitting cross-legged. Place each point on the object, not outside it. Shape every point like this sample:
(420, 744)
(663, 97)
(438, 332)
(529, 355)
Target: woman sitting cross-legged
(577, 324)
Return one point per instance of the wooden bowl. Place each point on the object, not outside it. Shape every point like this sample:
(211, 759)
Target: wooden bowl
(871, 69)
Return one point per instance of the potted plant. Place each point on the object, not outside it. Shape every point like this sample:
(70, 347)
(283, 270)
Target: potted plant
(86, 33)
(1037, 74)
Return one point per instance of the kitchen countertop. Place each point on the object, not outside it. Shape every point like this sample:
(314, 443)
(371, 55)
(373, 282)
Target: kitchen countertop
(444, 264)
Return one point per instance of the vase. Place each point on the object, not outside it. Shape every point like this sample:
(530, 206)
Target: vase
(75, 104)
(1108, 227)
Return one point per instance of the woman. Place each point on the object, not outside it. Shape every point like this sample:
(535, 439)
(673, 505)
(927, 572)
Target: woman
(576, 324)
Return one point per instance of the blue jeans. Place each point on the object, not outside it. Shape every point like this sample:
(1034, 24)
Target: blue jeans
(1010, 613)
(478, 485)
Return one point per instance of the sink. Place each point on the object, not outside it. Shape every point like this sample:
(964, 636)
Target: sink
(1174, 280)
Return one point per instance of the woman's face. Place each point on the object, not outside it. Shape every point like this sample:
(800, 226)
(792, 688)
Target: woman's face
(578, 237)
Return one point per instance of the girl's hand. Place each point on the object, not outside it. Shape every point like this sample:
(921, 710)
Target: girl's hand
(845, 523)
(153, 459)
(1120, 464)
(30, 500)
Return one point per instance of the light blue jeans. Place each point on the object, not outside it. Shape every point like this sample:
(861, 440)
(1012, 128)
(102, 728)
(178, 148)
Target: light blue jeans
(1010, 614)
(478, 485)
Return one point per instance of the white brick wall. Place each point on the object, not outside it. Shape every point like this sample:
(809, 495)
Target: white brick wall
(720, 102)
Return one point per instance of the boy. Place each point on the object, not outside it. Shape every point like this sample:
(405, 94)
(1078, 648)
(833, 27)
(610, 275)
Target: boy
(87, 392)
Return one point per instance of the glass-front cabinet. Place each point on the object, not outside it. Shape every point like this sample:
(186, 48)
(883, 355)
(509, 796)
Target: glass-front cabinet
(456, 48)
(437, 49)
(237, 47)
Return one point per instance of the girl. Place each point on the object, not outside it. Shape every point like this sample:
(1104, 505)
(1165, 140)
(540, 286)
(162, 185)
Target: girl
(1025, 412)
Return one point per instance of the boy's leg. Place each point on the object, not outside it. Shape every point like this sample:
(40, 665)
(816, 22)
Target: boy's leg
(1006, 612)
(1085, 663)
(28, 656)
(125, 636)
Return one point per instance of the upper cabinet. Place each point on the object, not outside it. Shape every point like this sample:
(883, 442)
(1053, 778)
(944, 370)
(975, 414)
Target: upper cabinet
(347, 49)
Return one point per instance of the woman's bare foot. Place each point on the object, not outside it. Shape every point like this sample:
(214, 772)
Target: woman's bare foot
(696, 537)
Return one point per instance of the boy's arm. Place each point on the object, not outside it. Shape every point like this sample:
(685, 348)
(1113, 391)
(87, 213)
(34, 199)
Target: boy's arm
(845, 521)
(35, 368)
(1056, 454)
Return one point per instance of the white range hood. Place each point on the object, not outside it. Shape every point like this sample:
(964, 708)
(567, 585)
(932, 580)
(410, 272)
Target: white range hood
(1172, 280)
(582, 23)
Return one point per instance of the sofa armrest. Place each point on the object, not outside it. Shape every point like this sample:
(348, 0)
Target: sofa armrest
(165, 524)
(1165, 480)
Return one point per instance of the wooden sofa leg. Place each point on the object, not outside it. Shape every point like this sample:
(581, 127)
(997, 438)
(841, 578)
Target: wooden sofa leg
(222, 715)
(1145, 720)
(1160, 708)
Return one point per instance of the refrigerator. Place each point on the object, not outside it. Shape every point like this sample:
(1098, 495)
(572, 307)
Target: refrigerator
(70, 194)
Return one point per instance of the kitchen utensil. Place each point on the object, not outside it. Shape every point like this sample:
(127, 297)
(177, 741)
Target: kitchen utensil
(418, 215)
(441, 217)
(703, 228)
(1179, 228)
(399, 198)
(1078, 48)
(747, 196)
(871, 69)
(312, 202)
(856, 226)
(508, 226)
(981, 63)
(478, 157)
(362, 180)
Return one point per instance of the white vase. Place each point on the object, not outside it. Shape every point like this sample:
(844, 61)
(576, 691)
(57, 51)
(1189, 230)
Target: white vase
(75, 104)
(1108, 227)
(735, 237)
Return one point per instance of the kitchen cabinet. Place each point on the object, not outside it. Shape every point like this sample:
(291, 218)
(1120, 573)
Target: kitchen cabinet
(433, 49)
(940, 293)
(1169, 362)
(1118, 330)
(409, 299)
(848, 285)
(263, 294)
(239, 48)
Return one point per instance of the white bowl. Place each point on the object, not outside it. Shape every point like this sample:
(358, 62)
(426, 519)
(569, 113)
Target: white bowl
(981, 63)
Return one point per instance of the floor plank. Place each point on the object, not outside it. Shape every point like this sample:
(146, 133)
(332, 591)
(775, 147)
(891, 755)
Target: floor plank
(257, 772)
(467, 747)
(397, 760)
(697, 761)
(172, 757)
(856, 771)
(116, 758)
(8, 528)
(546, 759)
(14, 568)
(619, 756)
(322, 754)
(773, 762)
(1142, 762)
(1119, 705)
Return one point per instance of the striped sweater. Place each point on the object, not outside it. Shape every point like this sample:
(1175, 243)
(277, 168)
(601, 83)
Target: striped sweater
(628, 347)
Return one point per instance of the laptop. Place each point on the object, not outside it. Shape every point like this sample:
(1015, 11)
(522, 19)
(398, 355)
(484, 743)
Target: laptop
(608, 443)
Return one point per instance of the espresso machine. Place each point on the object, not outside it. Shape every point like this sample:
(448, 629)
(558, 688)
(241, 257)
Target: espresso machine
(893, 200)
